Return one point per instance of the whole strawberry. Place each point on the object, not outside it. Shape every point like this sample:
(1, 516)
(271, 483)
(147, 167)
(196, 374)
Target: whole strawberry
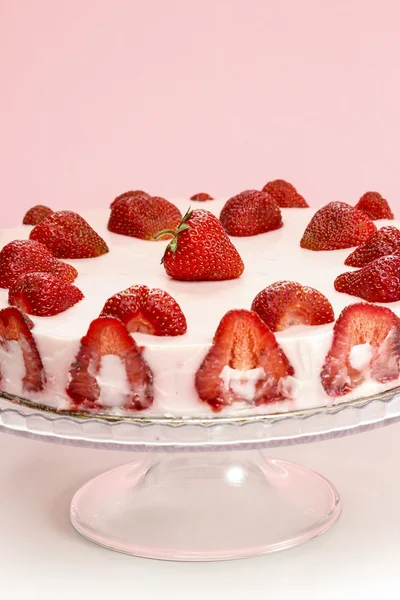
(151, 311)
(378, 281)
(201, 197)
(381, 243)
(284, 194)
(337, 225)
(201, 250)
(375, 206)
(143, 217)
(250, 213)
(26, 256)
(43, 295)
(67, 235)
(36, 214)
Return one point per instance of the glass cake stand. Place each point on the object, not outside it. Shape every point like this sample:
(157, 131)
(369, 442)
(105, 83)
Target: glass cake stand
(202, 489)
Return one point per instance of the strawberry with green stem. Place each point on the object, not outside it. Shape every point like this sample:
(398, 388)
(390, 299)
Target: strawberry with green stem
(200, 250)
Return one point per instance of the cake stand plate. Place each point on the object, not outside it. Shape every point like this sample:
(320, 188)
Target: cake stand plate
(187, 499)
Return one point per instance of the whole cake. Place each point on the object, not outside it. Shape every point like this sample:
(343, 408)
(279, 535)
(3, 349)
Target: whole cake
(201, 307)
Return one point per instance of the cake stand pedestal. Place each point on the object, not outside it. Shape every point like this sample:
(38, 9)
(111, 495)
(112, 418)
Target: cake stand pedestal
(205, 506)
(205, 489)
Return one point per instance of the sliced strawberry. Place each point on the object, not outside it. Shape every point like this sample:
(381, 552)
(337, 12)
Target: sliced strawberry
(201, 250)
(43, 295)
(130, 194)
(108, 336)
(143, 217)
(337, 225)
(244, 363)
(67, 235)
(381, 243)
(374, 206)
(250, 213)
(28, 322)
(379, 281)
(147, 311)
(286, 303)
(36, 214)
(366, 344)
(15, 328)
(202, 197)
(284, 194)
(26, 256)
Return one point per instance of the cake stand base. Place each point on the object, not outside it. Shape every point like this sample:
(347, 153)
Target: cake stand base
(205, 506)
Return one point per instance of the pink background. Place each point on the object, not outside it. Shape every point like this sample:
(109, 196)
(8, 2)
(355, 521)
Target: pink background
(179, 96)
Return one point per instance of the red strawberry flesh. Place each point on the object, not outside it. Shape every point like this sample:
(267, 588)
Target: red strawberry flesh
(143, 217)
(287, 303)
(201, 250)
(43, 295)
(379, 281)
(108, 336)
(147, 310)
(14, 328)
(284, 194)
(242, 342)
(381, 243)
(375, 206)
(201, 197)
(250, 213)
(376, 327)
(36, 214)
(29, 323)
(26, 256)
(337, 225)
(130, 194)
(67, 235)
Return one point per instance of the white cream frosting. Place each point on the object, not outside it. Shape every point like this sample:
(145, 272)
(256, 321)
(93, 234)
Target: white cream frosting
(241, 383)
(112, 381)
(12, 367)
(360, 356)
(268, 258)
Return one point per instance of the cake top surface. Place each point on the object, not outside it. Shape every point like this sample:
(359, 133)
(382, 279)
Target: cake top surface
(268, 257)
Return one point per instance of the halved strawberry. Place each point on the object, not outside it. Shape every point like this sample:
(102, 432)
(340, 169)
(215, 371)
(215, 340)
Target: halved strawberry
(337, 225)
(244, 363)
(15, 328)
(43, 295)
(26, 256)
(379, 281)
(381, 243)
(67, 235)
(284, 194)
(287, 303)
(375, 206)
(36, 214)
(201, 197)
(366, 344)
(143, 217)
(130, 194)
(250, 213)
(201, 250)
(29, 323)
(108, 336)
(147, 310)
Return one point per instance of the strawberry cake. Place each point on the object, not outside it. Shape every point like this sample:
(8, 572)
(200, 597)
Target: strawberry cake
(201, 307)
